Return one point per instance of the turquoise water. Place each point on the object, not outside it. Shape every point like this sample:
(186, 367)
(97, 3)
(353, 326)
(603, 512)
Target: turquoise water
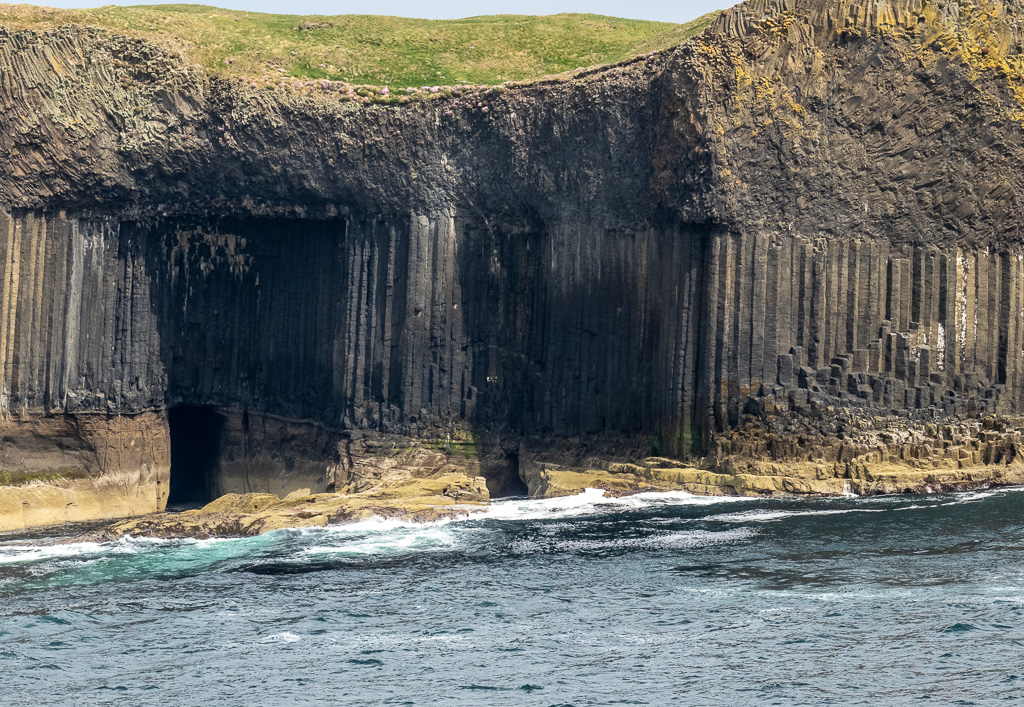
(651, 600)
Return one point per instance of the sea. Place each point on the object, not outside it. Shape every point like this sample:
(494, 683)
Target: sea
(653, 599)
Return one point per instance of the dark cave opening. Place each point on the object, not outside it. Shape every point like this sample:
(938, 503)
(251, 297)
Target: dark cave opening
(196, 433)
(503, 479)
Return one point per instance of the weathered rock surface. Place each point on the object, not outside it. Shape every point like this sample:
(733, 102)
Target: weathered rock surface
(65, 468)
(450, 495)
(786, 253)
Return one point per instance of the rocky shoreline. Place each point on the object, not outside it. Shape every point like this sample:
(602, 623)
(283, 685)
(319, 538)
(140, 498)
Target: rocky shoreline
(455, 492)
(235, 515)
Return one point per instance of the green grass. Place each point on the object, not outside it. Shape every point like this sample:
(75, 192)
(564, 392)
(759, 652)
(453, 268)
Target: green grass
(455, 447)
(370, 49)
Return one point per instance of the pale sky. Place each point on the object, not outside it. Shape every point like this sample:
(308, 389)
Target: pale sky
(679, 11)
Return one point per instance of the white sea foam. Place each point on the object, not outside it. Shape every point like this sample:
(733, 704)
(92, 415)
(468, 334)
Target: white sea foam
(971, 496)
(588, 502)
(684, 540)
(12, 554)
(128, 545)
(284, 637)
(422, 538)
(756, 515)
(389, 536)
(594, 501)
(764, 516)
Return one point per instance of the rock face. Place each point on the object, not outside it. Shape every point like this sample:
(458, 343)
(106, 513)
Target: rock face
(787, 250)
(61, 468)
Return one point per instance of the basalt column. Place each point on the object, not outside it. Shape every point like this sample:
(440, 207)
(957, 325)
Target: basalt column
(864, 323)
(409, 325)
(81, 381)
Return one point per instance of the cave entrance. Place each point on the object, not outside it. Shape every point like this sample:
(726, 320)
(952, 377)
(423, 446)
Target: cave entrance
(196, 433)
(502, 477)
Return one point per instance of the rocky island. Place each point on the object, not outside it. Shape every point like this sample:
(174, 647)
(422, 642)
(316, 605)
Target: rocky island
(783, 256)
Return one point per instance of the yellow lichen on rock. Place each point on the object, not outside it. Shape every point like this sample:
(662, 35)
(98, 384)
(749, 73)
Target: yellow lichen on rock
(424, 499)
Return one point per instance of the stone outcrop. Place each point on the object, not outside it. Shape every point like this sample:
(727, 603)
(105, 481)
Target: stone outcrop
(451, 494)
(787, 251)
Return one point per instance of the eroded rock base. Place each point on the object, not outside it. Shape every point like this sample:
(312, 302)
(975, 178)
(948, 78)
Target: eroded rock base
(67, 468)
(271, 472)
(447, 495)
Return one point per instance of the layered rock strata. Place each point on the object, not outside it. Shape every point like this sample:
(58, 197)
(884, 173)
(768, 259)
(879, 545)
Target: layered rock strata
(785, 255)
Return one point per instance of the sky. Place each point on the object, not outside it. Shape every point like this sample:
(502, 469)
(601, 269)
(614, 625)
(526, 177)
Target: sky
(663, 10)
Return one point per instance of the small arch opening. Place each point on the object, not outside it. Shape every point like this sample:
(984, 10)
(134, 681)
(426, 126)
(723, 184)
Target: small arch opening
(196, 433)
(503, 479)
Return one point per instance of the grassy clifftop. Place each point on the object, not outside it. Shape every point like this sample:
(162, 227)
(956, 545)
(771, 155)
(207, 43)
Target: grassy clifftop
(369, 49)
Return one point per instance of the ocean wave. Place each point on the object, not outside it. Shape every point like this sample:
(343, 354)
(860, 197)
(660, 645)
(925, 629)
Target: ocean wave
(981, 494)
(283, 637)
(13, 554)
(381, 541)
(596, 501)
(128, 545)
(765, 516)
(381, 536)
(683, 540)
(588, 502)
(391, 537)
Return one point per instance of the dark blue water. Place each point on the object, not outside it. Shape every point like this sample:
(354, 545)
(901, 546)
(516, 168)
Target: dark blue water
(651, 600)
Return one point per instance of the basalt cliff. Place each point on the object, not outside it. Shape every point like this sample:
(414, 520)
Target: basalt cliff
(785, 256)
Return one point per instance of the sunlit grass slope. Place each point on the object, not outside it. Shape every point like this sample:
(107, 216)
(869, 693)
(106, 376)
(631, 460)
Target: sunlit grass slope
(370, 49)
